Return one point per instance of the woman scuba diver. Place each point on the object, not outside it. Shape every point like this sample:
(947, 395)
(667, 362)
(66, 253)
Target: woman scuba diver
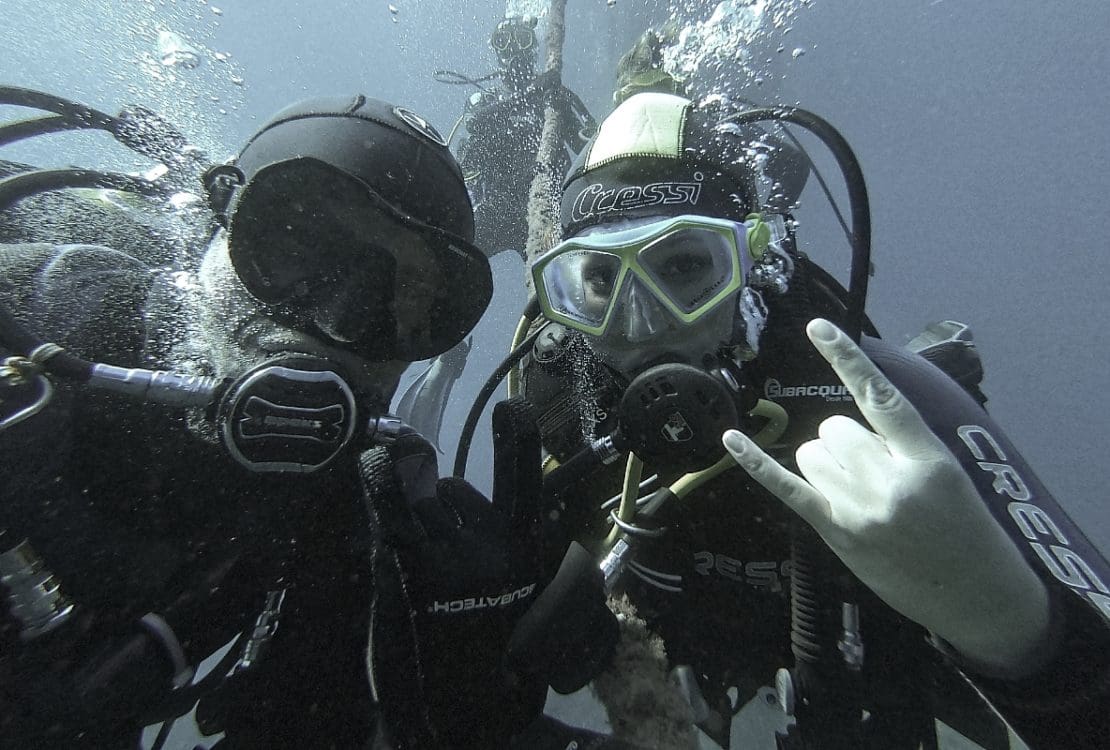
(907, 559)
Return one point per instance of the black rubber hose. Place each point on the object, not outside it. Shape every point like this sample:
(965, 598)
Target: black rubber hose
(581, 464)
(17, 187)
(857, 195)
(82, 116)
(813, 623)
(482, 399)
(531, 311)
(137, 128)
(21, 341)
(17, 131)
(827, 710)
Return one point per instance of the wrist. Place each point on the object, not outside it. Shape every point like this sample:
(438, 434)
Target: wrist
(1009, 645)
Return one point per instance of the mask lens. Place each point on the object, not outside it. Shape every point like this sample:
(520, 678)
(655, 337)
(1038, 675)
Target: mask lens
(284, 240)
(581, 285)
(524, 38)
(691, 266)
(318, 241)
(501, 40)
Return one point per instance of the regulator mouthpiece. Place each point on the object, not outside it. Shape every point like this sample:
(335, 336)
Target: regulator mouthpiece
(675, 414)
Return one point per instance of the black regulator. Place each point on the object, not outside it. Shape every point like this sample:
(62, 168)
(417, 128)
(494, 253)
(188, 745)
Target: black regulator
(294, 413)
(674, 414)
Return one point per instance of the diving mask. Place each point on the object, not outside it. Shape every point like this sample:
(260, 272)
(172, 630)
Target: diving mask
(512, 36)
(681, 268)
(307, 238)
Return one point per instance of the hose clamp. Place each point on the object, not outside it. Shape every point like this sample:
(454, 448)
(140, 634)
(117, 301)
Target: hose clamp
(35, 596)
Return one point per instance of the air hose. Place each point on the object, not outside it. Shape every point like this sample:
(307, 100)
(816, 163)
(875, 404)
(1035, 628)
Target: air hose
(860, 237)
(824, 638)
(137, 128)
(519, 351)
(17, 187)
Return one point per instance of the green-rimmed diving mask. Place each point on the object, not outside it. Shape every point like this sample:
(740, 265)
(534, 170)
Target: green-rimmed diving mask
(685, 265)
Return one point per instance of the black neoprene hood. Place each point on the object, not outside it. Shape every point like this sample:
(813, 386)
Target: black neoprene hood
(393, 150)
(708, 174)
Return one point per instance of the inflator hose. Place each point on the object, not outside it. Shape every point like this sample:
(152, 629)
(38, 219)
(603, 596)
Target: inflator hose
(828, 707)
(531, 310)
(857, 197)
(17, 187)
(21, 341)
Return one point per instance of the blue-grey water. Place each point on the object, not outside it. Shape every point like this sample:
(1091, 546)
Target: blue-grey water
(980, 126)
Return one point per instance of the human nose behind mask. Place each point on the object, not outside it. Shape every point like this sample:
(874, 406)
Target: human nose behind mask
(330, 257)
(641, 317)
(658, 303)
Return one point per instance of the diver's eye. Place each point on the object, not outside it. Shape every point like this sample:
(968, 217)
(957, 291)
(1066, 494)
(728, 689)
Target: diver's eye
(599, 280)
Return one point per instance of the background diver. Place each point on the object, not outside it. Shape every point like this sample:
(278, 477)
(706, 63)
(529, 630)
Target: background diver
(502, 130)
(497, 137)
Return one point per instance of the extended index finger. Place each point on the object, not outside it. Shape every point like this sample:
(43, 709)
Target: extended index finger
(886, 409)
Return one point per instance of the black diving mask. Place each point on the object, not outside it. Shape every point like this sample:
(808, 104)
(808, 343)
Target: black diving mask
(510, 37)
(306, 236)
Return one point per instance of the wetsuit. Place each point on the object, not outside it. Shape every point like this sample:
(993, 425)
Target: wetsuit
(717, 585)
(135, 514)
(499, 154)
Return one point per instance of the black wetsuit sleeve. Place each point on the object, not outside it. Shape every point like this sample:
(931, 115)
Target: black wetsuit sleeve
(1062, 704)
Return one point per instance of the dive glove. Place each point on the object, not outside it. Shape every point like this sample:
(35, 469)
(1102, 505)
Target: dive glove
(454, 575)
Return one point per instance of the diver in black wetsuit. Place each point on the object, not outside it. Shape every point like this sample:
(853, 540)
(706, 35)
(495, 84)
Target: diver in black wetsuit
(252, 488)
(503, 126)
(136, 538)
(673, 312)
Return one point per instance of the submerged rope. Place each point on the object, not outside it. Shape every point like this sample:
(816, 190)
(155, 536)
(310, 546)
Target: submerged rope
(542, 196)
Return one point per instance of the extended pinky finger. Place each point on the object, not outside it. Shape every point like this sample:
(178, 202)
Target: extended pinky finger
(788, 487)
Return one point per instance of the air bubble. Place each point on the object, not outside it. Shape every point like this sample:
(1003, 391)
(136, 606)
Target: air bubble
(175, 52)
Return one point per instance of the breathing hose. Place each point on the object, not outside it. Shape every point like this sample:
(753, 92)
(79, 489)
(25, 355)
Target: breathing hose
(860, 204)
(480, 401)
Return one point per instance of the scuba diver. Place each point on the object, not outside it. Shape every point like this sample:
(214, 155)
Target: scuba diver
(503, 126)
(915, 566)
(180, 442)
(252, 491)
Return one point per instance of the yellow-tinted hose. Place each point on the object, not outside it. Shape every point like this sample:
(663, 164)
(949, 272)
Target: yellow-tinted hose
(512, 382)
(633, 470)
(777, 421)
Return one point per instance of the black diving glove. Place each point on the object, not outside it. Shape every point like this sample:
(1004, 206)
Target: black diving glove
(453, 575)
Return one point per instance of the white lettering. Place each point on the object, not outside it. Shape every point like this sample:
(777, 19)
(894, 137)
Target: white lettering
(967, 433)
(595, 199)
(483, 602)
(1007, 481)
(1069, 567)
(1101, 601)
(1032, 521)
(1062, 562)
(773, 389)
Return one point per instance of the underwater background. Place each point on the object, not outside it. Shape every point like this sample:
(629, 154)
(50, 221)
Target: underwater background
(980, 127)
